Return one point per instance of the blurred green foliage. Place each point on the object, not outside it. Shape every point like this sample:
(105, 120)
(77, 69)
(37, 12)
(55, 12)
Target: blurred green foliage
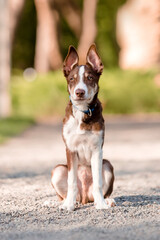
(24, 44)
(25, 37)
(129, 92)
(120, 92)
(106, 36)
(46, 95)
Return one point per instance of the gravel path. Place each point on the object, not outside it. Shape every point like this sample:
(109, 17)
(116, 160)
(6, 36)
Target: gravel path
(29, 207)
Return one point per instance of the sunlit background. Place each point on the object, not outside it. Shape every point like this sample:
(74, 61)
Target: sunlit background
(34, 40)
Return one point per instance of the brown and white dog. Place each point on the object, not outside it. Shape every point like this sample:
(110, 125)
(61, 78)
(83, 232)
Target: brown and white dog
(86, 177)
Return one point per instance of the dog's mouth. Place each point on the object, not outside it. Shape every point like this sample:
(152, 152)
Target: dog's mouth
(81, 100)
(78, 99)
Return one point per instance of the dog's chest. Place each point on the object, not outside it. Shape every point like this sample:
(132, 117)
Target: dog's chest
(80, 140)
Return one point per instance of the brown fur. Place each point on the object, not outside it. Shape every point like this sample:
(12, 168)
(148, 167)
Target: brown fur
(85, 181)
(91, 122)
(70, 158)
(60, 198)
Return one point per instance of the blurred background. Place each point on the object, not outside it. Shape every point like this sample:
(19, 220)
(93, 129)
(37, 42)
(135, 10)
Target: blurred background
(34, 40)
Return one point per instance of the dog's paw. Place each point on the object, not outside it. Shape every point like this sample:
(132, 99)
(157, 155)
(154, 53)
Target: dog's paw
(110, 202)
(101, 205)
(67, 205)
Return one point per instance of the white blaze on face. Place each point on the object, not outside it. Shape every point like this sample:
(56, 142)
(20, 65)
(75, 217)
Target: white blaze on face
(81, 84)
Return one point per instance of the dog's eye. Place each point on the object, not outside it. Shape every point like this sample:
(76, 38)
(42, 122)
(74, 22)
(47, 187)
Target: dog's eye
(90, 78)
(71, 79)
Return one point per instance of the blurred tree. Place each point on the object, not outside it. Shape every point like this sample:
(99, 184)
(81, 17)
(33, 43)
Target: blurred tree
(15, 10)
(89, 28)
(71, 18)
(70, 11)
(106, 38)
(81, 21)
(23, 49)
(138, 34)
(5, 102)
(47, 53)
(47, 44)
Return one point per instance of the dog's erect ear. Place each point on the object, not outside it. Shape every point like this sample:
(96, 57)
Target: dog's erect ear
(94, 60)
(70, 61)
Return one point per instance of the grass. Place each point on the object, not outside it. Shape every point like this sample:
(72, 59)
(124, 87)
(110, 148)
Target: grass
(13, 126)
(120, 92)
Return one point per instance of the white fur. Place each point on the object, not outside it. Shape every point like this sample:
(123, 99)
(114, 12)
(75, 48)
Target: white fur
(96, 166)
(70, 201)
(84, 142)
(88, 146)
(81, 84)
(88, 97)
(110, 202)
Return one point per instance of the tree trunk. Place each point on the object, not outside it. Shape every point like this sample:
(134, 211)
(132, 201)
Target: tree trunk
(5, 101)
(47, 54)
(15, 7)
(89, 28)
(138, 34)
(71, 13)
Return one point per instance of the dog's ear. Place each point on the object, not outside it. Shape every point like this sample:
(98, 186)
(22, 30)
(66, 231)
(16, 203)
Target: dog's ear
(94, 60)
(70, 61)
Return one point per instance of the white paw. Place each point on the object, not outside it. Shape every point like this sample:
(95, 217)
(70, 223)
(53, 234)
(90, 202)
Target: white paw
(110, 202)
(102, 205)
(67, 205)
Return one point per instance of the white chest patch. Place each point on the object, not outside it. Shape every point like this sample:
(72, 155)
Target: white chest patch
(81, 141)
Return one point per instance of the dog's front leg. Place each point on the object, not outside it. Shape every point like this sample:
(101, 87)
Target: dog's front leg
(69, 202)
(96, 165)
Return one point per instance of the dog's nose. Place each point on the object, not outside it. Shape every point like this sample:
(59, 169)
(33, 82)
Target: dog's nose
(80, 92)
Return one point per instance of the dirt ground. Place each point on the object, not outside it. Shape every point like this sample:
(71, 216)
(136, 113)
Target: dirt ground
(29, 207)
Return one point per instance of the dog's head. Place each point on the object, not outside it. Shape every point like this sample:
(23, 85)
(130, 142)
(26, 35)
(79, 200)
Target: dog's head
(82, 80)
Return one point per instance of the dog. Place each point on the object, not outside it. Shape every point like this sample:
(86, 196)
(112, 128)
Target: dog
(86, 177)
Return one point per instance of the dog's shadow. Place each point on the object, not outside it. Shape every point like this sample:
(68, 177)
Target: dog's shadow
(129, 201)
(137, 200)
